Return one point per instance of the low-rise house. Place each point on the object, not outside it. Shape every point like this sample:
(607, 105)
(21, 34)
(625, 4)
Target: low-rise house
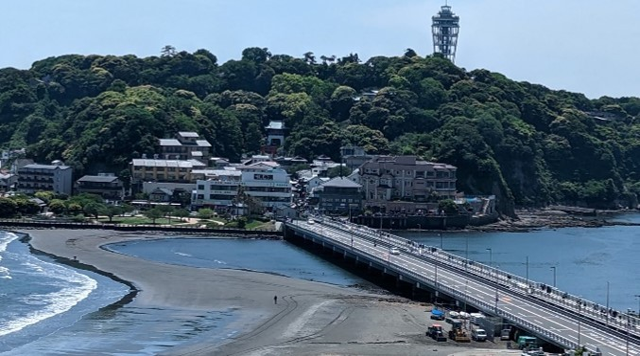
(161, 195)
(285, 211)
(311, 184)
(7, 181)
(107, 186)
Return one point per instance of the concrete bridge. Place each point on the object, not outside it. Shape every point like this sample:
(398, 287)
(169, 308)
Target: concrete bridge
(552, 315)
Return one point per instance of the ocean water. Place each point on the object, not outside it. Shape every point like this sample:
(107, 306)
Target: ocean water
(585, 259)
(271, 256)
(47, 308)
(39, 296)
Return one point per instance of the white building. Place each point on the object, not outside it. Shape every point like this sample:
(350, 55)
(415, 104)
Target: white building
(270, 185)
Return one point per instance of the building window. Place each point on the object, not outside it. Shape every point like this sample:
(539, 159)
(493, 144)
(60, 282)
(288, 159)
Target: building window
(200, 186)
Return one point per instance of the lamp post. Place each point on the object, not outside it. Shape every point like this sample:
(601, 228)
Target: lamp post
(638, 311)
(490, 260)
(579, 317)
(440, 241)
(466, 262)
(527, 269)
(553, 268)
(607, 302)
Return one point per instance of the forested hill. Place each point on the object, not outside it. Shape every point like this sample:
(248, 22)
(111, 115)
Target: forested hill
(524, 142)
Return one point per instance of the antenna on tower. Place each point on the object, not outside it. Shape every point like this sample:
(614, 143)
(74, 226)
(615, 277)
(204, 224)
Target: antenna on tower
(445, 30)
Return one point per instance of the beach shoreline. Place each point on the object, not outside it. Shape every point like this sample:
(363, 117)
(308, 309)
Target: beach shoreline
(309, 317)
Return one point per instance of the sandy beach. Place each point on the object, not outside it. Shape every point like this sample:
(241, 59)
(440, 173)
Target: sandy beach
(310, 318)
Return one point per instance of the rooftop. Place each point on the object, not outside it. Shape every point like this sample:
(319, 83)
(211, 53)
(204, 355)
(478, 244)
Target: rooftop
(203, 143)
(163, 163)
(98, 179)
(341, 182)
(45, 166)
(189, 134)
(169, 142)
(275, 125)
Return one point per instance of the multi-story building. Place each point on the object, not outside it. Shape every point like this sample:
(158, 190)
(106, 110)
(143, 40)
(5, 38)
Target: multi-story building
(405, 178)
(54, 177)
(107, 186)
(276, 132)
(186, 146)
(340, 195)
(218, 190)
(164, 170)
(271, 185)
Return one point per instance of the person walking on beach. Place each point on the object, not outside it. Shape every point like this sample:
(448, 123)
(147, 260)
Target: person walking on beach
(275, 299)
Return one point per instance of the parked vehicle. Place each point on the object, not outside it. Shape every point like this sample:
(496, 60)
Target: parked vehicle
(394, 251)
(436, 332)
(437, 314)
(478, 334)
(527, 342)
(505, 334)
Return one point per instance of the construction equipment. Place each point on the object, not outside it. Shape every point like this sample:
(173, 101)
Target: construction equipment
(436, 332)
(459, 335)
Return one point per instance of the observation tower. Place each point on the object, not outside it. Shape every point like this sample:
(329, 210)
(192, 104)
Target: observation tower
(445, 30)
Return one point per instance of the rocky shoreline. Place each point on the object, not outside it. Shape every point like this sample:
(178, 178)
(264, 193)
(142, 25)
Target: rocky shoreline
(529, 220)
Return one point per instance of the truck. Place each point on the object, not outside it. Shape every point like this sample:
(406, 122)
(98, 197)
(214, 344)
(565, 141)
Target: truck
(478, 333)
(436, 332)
(527, 342)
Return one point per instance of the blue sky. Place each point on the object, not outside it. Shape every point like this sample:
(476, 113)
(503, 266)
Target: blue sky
(587, 46)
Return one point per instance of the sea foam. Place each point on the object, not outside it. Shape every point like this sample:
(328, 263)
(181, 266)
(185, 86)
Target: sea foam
(70, 286)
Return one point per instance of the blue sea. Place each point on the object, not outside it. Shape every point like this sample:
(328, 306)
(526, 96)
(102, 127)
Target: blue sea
(48, 308)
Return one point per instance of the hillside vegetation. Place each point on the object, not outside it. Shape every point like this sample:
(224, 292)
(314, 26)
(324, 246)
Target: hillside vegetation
(527, 144)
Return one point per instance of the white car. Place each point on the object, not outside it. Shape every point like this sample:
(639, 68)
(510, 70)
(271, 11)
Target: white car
(394, 251)
(310, 221)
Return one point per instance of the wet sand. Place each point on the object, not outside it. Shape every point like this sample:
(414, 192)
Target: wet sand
(310, 318)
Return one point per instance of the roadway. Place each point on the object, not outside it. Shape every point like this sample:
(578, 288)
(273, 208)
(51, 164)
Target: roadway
(488, 293)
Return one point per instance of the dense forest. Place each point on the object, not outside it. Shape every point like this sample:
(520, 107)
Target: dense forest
(529, 145)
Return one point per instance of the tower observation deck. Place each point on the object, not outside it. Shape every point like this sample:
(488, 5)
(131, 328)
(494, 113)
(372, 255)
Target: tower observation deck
(445, 30)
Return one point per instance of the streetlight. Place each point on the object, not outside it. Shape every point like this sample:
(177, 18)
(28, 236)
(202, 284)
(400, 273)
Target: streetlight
(440, 242)
(554, 275)
(527, 268)
(466, 262)
(607, 302)
(579, 318)
(638, 311)
(490, 260)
